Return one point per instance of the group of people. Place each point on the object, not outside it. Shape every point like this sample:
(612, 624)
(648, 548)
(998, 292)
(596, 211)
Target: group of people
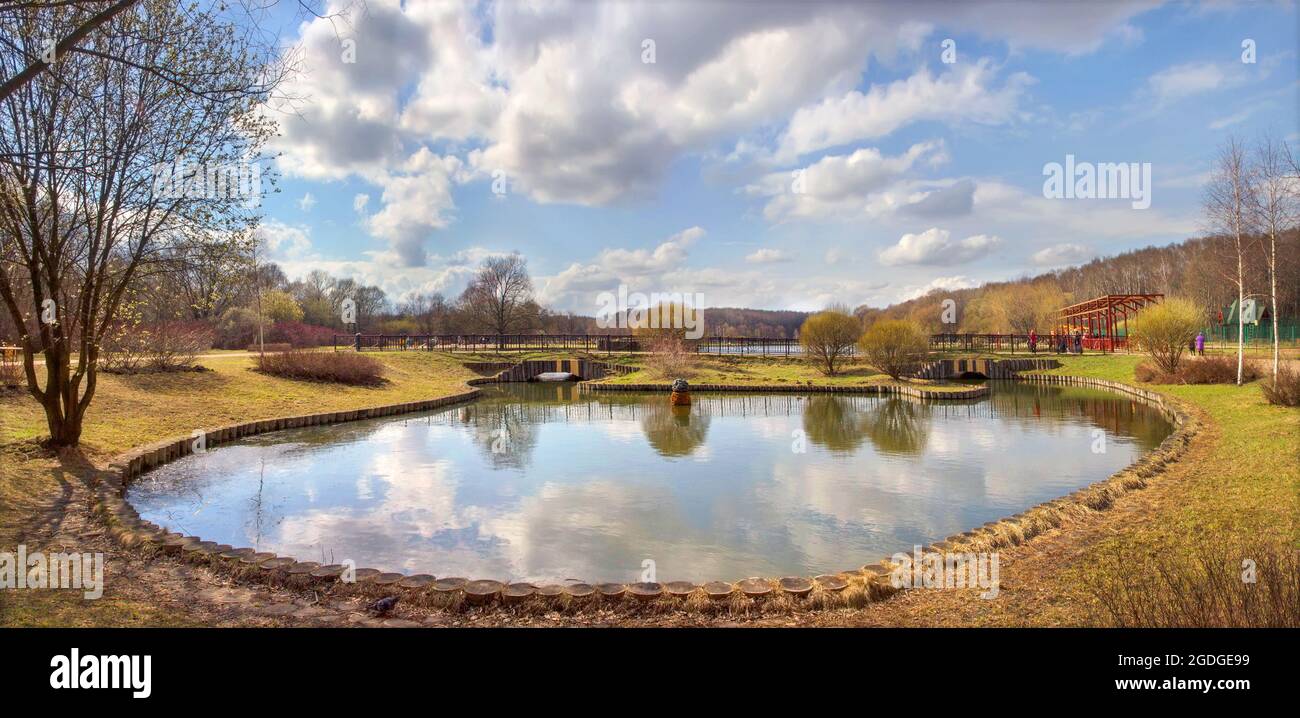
(1066, 343)
(1061, 343)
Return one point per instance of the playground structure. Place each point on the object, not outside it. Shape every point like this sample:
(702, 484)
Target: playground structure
(1103, 321)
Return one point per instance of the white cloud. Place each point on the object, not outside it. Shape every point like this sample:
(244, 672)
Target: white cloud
(963, 94)
(1193, 78)
(416, 202)
(944, 283)
(935, 246)
(307, 202)
(768, 256)
(840, 185)
(359, 203)
(1059, 255)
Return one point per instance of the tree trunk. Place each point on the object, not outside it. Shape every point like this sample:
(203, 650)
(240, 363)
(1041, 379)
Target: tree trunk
(1272, 299)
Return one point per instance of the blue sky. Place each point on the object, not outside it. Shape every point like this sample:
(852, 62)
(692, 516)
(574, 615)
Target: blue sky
(680, 174)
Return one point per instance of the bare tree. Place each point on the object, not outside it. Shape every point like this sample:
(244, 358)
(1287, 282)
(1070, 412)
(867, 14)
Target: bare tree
(83, 213)
(500, 296)
(1277, 209)
(1228, 203)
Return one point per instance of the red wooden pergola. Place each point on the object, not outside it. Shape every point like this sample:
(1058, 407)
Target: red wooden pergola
(1099, 318)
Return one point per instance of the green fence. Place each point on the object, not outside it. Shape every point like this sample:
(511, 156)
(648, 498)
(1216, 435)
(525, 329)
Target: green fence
(1288, 331)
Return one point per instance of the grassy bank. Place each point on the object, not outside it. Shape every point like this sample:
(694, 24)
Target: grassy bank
(38, 490)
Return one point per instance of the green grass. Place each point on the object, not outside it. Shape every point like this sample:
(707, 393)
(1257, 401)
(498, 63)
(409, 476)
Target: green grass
(1239, 487)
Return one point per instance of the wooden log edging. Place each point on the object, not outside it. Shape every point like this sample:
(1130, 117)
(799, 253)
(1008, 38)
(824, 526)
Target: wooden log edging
(915, 392)
(853, 587)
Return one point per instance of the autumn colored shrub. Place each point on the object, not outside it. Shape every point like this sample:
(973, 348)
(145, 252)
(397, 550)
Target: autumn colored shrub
(1285, 389)
(338, 367)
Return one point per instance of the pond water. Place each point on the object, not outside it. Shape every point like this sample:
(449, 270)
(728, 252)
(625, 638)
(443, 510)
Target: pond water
(541, 482)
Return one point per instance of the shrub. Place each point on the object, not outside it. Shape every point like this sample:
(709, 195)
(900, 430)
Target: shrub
(1285, 389)
(236, 328)
(895, 346)
(168, 346)
(1203, 590)
(175, 345)
(1164, 330)
(1203, 370)
(338, 367)
(299, 335)
(278, 306)
(827, 337)
(671, 357)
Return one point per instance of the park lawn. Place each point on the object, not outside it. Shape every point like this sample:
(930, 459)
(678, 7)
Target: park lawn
(1243, 492)
(742, 370)
(142, 408)
(131, 410)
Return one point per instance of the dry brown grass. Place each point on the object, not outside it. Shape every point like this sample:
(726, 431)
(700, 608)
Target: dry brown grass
(1207, 590)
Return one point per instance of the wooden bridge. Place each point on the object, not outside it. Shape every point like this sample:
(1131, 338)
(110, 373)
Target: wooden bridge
(982, 368)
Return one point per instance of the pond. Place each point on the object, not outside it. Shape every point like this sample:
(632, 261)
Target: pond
(543, 482)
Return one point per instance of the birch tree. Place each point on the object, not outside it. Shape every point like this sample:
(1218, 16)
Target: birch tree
(1277, 210)
(1228, 203)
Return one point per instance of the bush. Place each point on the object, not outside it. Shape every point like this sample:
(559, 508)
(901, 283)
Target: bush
(827, 337)
(177, 344)
(236, 328)
(1203, 590)
(1285, 389)
(1203, 370)
(671, 357)
(338, 367)
(895, 346)
(299, 335)
(168, 346)
(1164, 330)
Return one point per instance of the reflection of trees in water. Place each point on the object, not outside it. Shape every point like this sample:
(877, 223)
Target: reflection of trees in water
(673, 430)
(833, 422)
(1117, 414)
(505, 432)
(899, 426)
(893, 425)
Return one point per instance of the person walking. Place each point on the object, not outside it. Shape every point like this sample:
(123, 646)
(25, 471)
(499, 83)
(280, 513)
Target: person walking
(1033, 342)
(1078, 342)
(1200, 343)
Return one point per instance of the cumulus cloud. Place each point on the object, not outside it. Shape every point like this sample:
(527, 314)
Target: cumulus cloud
(840, 185)
(416, 201)
(1059, 255)
(936, 246)
(768, 256)
(963, 94)
(942, 283)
